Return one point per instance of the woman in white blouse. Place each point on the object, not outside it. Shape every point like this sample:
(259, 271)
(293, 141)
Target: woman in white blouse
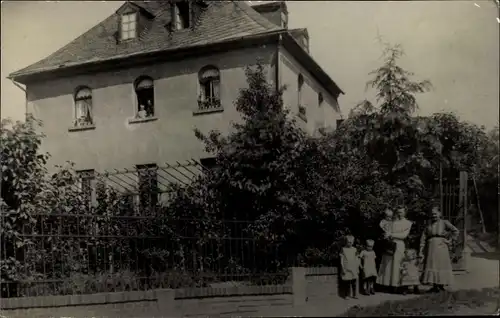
(397, 232)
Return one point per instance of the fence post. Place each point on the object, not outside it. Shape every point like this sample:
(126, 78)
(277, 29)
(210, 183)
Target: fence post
(166, 302)
(299, 285)
(463, 204)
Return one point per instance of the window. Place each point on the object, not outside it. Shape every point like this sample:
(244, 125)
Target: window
(87, 178)
(181, 15)
(300, 83)
(83, 107)
(284, 20)
(148, 185)
(208, 163)
(320, 99)
(129, 26)
(145, 92)
(209, 97)
(305, 43)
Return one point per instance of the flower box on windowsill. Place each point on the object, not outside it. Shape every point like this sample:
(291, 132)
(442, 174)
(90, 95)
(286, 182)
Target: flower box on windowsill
(209, 106)
(141, 120)
(82, 127)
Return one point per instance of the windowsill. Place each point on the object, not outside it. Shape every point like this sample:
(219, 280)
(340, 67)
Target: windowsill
(81, 128)
(302, 116)
(127, 40)
(141, 120)
(209, 111)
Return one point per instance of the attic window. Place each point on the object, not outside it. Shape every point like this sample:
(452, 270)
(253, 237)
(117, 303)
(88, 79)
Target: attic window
(284, 20)
(305, 42)
(181, 15)
(129, 26)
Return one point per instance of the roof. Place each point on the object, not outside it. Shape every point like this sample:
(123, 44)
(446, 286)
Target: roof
(268, 6)
(221, 21)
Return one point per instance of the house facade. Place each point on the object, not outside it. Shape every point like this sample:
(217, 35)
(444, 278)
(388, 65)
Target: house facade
(130, 91)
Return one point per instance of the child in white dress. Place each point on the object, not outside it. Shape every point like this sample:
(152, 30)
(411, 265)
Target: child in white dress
(369, 268)
(349, 264)
(386, 222)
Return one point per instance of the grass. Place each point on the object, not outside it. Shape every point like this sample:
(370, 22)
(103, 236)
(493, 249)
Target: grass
(445, 303)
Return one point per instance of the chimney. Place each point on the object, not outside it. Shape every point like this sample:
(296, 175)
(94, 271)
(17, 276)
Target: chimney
(274, 11)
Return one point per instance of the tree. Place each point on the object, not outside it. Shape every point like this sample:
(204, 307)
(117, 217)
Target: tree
(23, 168)
(407, 150)
(264, 191)
(36, 209)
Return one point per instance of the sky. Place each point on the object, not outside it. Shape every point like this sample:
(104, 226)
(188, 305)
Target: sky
(454, 44)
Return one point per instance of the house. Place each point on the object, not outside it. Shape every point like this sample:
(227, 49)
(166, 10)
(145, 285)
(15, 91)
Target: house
(129, 91)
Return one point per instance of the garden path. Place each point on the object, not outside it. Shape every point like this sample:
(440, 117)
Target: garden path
(483, 273)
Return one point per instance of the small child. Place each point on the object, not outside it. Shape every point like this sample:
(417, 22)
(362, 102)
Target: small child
(409, 272)
(369, 268)
(142, 112)
(349, 262)
(386, 223)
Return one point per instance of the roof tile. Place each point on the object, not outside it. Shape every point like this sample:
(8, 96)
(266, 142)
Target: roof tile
(219, 22)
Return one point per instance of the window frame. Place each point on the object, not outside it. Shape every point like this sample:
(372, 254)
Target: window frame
(178, 17)
(86, 100)
(209, 163)
(284, 20)
(154, 195)
(213, 83)
(87, 178)
(137, 97)
(300, 85)
(128, 23)
(305, 42)
(321, 99)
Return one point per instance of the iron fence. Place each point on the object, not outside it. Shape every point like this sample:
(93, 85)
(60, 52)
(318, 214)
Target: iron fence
(133, 230)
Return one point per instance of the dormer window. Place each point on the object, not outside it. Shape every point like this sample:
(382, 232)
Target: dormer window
(284, 20)
(300, 83)
(305, 42)
(129, 26)
(181, 15)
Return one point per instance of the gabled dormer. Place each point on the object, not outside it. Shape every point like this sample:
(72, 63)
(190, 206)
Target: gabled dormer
(185, 14)
(182, 16)
(132, 20)
(274, 11)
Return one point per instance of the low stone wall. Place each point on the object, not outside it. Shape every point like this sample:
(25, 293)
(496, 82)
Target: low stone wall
(123, 304)
(304, 285)
(321, 283)
(193, 302)
(231, 301)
